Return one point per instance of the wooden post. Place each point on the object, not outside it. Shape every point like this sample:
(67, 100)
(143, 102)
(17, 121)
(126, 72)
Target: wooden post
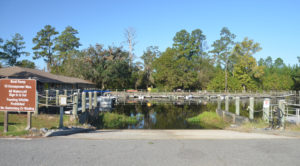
(233, 118)
(72, 98)
(75, 105)
(95, 99)
(61, 117)
(266, 110)
(226, 103)
(36, 111)
(219, 102)
(56, 97)
(251, 108)
(65, 92)
(83, 100)
(47, 98)
(5, 125)
(28, 121)
(237, 105)
(90, 100)
(78, 94)
(297, 114)
(281, 105)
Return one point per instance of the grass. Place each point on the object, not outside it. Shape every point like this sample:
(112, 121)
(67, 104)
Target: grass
(292, 127)
(260, 124)
(256, 124)
(18, 122)
(115, 121)
(208, 120)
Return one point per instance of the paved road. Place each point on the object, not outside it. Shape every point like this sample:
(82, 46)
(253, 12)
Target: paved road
(137, 150)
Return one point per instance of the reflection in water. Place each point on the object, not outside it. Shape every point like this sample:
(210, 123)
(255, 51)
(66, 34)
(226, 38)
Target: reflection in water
(173, 114)
(162, 115)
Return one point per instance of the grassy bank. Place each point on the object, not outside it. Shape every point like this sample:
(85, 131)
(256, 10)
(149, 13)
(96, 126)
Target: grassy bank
(18, 122)
(115, 121)
(208, 120)
(260, 124)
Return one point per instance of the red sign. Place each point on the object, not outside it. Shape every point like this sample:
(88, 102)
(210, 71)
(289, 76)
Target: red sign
(17, 95)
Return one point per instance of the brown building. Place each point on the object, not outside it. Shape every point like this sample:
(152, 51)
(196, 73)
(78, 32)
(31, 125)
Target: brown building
(45, 80)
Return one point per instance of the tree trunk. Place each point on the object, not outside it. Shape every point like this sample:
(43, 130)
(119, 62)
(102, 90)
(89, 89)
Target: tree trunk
(226, 75)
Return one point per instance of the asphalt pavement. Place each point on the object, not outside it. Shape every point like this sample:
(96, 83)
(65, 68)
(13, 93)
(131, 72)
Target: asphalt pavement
(199, 148)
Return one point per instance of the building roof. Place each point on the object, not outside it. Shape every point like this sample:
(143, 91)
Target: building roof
(39, 75)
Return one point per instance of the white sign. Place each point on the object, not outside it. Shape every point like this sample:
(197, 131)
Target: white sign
(266, 103)
(62, 100)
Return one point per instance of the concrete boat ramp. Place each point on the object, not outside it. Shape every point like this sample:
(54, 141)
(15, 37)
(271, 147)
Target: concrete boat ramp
(172, 135)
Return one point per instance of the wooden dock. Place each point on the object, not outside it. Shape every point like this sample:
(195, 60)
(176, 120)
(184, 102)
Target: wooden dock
(201, 94)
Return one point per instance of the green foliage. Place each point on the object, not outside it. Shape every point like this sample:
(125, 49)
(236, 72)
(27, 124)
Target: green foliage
(217, 83)
(26, 64)
(185, 65)
(208, 120)
(151, 54)
(13, 49)
(277, 75)
(66, 44)
(222, 51)
(246, 69)
(44, 45)
(276, 81)
(189, 44)
(115, 121)
(173, 72)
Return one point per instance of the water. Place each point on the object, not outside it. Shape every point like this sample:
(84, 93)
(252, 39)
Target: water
(173, 114)
(168, 114)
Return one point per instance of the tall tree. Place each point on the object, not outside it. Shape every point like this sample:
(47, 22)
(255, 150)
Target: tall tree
(13, 49)
(149, 57)
(44, 47)
(222, 49)
(278, 63)
(65, 44)
(130, 36)
(269, 62)
(172, 73)
(188, 44)
(246, 69)
(1, 52)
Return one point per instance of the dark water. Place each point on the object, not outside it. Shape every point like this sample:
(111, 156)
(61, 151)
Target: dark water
(167, 114)
(170, 114)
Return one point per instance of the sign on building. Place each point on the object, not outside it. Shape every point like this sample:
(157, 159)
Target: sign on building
(17, 95)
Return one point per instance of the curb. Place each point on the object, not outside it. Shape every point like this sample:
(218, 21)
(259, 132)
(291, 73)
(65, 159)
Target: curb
(64, 132)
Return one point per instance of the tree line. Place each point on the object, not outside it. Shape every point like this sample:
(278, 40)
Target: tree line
(188, 64)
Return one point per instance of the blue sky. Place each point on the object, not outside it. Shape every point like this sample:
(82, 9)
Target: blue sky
(275, 24)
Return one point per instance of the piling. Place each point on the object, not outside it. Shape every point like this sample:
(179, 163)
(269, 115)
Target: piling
(36, 111)
(219, 102)
(95, 99)
(65, 92)
(227, 103)
(75, 105)
(90, 100)
(83, 100)
(298, 118)
(251, 108)
(28, 121)
(281, 106)
(56, 97)
(47, 98)
(237, 105)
